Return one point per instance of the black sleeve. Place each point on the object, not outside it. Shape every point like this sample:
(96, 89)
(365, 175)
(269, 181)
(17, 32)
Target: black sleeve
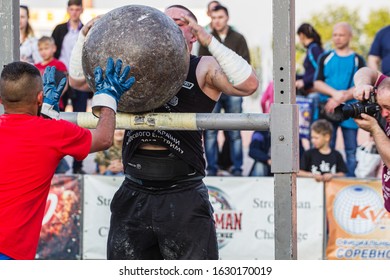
(362, 62)
(57, 40)
(316, 51)
(305, 161)
(243, 50)
(308, 77)
(340, 163)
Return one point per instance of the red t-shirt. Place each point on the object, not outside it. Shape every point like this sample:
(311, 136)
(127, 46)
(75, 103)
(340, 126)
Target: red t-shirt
(60, 66)
(31, 148)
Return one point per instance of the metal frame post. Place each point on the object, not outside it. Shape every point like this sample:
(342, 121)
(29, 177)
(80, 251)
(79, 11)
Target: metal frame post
(284, 130)
(9, 33)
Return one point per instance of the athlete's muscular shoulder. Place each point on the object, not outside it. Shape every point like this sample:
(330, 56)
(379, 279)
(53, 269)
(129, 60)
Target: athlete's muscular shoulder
(207, 72)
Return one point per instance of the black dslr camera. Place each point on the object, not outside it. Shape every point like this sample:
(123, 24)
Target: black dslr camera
(354, 110)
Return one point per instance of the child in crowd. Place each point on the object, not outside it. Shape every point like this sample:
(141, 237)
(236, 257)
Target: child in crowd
(322, 162)
(109, 162)
(47, 48)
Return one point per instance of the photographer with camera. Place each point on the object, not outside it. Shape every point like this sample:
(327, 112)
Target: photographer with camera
(368, 81)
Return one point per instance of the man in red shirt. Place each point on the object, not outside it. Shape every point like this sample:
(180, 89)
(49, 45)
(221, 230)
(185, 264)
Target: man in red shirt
(32, 145)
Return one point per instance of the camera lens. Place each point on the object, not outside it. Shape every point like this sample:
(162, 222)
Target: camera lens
(353, 110)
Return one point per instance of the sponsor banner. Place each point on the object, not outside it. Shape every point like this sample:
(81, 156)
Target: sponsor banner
(98, 192)
(359, 226)
(244, 216)
(60, 233)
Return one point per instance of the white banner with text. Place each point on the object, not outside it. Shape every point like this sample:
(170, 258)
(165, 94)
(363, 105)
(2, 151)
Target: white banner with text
(243, 212)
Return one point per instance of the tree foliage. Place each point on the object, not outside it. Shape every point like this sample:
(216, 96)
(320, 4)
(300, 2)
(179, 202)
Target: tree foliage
(324, 21)
(377, 19)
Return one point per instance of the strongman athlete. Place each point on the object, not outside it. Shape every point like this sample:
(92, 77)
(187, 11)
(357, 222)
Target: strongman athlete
(162, 209)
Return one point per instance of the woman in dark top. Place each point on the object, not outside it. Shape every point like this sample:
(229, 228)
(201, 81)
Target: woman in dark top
(311, 40)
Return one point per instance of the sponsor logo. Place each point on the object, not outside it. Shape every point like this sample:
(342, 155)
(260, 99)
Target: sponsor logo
(359, 210)
(227, 218)
(187, 85)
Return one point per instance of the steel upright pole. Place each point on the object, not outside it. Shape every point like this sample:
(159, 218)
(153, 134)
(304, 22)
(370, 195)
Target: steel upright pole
(9, 33)
(284, 130)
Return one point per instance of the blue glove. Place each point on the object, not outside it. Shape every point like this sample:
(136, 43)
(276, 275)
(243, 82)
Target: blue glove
(109, 90)
(51, 93)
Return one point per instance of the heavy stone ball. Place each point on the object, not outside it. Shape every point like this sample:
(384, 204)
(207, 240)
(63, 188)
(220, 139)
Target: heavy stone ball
(147, 40)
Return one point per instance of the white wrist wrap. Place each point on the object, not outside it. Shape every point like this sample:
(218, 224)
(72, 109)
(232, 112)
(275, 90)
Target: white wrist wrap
(75, 64)
(48, 111)
(102, 100)
(235, 67)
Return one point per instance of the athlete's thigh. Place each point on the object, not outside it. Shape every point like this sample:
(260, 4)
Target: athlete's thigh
(131, 232)
(187, 228)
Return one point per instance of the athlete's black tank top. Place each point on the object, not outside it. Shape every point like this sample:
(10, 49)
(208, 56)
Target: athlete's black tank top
(186, 145)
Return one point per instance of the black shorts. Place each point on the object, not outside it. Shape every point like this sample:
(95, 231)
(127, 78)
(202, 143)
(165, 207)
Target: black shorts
(174, 225)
